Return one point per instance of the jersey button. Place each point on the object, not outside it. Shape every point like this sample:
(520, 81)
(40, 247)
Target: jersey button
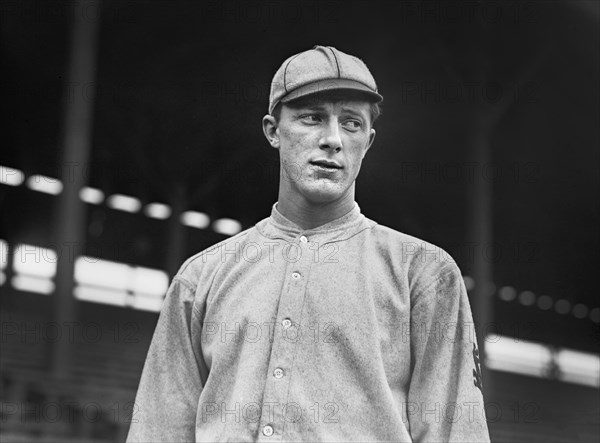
(268, 430)
(303, 239)
(278, 373)
(295, 275)
(286, 323)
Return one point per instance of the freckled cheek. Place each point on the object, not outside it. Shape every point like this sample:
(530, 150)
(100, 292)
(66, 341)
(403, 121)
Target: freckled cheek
(297, 145)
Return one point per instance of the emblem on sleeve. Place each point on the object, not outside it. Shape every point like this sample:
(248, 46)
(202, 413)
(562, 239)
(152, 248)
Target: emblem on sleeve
(477, 371)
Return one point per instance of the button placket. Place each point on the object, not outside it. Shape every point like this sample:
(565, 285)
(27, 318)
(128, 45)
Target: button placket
(287, 338)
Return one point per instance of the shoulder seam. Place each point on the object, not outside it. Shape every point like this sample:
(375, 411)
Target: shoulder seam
(210, 248)
(184, 282)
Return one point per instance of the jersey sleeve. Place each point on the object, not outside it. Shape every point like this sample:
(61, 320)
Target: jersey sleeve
(167, 397)
(445, 399)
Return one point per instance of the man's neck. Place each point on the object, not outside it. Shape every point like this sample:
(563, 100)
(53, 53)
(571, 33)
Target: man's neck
(309, 215)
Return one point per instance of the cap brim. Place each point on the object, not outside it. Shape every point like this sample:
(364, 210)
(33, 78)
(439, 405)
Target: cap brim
(331, 85)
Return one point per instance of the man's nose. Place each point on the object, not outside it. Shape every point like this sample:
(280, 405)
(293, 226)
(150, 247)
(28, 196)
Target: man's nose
(331, 138)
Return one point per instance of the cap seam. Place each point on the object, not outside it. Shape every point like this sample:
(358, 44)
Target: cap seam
(285, 73)
(336, 62)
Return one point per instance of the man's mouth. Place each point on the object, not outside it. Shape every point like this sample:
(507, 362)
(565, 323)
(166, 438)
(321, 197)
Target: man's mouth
(326, 164)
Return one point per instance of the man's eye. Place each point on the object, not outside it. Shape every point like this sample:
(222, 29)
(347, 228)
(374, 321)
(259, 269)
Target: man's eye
(352, 125)
(310, 118)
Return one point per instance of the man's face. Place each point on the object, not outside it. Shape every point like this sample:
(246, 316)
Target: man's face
(321, 142)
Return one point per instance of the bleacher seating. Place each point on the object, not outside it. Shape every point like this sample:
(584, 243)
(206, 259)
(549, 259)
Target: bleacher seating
(94, 399)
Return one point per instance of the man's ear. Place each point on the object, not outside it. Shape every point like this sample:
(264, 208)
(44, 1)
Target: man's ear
(371, 139)
(271, 130)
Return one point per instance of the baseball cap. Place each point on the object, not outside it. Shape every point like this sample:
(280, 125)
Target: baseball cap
(322, 68)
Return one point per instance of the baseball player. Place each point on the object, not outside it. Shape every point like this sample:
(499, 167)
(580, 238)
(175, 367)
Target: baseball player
(316, 324)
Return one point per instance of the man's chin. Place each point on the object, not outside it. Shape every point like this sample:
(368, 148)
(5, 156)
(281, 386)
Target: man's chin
(325, 193)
